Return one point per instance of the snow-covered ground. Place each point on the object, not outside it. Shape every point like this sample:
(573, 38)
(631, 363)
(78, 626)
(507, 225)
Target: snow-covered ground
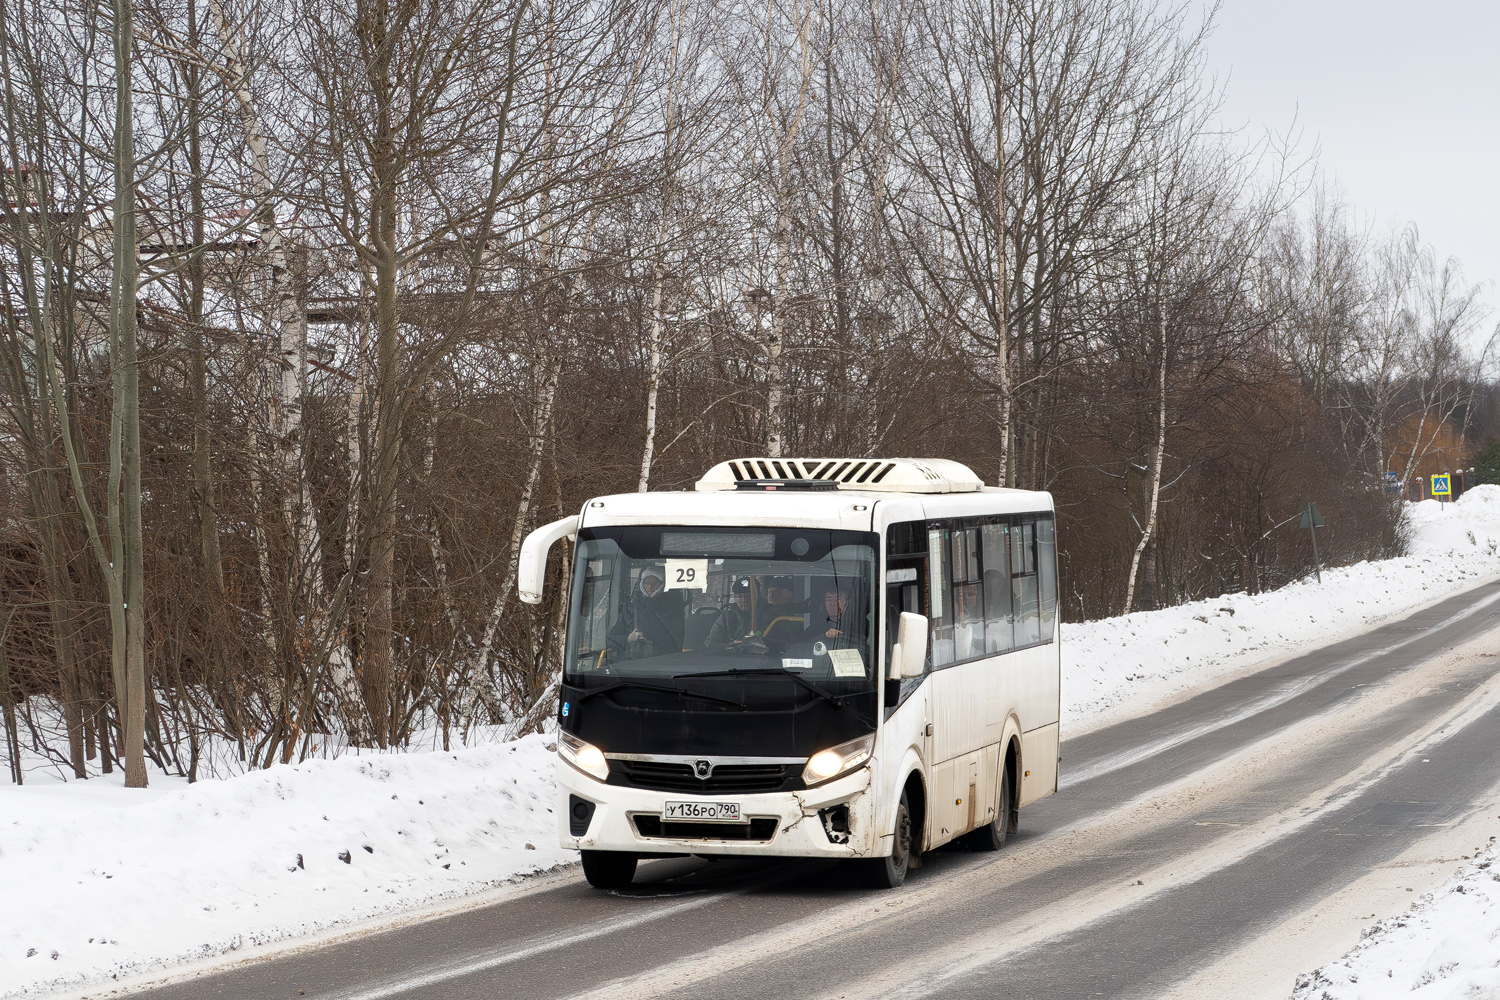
(100, 882)
(1115, 668)
(1445, 947)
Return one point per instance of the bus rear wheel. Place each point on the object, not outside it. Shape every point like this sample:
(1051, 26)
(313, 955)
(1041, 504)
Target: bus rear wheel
(991, 836)
(608, 869)
(889, 872)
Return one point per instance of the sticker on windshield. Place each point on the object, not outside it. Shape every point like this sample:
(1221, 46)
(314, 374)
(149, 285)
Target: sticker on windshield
(789, 663)
(846, 662)
(687, 574)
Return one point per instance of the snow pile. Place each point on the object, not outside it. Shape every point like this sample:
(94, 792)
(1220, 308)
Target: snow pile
(1119, 667)
(99, 881)
(1446, 947)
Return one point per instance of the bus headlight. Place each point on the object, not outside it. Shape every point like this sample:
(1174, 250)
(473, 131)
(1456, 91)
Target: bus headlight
(585, 756)
(828, 764)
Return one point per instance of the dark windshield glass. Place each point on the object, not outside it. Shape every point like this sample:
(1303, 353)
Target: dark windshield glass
(660, 603)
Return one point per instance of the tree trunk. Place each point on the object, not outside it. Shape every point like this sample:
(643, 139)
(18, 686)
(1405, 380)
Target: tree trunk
(1006, 473)
(1148, 534)
(59, 591)
(379, 667)
(782, 239)
(774, 416)
(484, 682)
(290, 318)
(211, 560)
(341, 661)
(8, 708)
(379, 672)
(657, 356)
(435, 542)
(125, 436)
(654, 373)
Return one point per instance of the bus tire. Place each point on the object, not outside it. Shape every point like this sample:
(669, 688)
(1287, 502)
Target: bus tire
(608, 869)
(890, 871)
(991, 836)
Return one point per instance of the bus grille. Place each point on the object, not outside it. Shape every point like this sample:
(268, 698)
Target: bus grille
(660, 776)
(761, 828)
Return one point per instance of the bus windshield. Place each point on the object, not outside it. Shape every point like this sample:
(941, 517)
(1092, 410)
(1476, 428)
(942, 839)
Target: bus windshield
(655, 604)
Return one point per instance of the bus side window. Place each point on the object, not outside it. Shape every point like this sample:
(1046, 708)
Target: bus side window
(966, 597)
(995, 558)
(1026, 607)
(1046, 567)
(906, 552)
(940, 586)
(899, 597)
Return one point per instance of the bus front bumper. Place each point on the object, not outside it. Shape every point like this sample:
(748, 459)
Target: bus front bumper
(783, 824)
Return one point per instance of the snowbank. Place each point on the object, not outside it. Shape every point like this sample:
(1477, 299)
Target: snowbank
(99, 881)
(1446, 947)
(1120, 667)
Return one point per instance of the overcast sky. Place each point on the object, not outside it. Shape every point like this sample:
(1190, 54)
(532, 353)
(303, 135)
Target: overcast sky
(1401, 99)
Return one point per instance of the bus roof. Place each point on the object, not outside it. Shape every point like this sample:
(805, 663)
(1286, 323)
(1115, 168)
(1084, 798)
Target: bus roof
(849, 509)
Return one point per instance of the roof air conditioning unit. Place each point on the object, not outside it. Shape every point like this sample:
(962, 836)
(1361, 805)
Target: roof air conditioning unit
(881, 475)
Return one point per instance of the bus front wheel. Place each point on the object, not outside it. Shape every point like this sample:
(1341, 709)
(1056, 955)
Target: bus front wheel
(889, 872)
(608, 869)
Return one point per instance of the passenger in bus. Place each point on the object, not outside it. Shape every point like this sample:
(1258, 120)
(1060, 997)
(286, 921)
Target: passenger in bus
(734, 624)
(784, 615)
(653, 626)
(781, 595)
(968, 628)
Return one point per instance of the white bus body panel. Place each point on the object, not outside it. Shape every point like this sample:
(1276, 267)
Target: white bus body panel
(982, 709)
(1038, 763)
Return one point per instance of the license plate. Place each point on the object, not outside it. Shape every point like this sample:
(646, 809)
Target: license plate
(704, 812)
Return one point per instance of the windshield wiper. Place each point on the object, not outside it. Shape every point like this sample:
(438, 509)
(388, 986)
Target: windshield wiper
(832, 699)
(663, 688)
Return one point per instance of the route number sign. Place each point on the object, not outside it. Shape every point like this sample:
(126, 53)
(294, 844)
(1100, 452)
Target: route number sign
(687, 574)
(1442, 486)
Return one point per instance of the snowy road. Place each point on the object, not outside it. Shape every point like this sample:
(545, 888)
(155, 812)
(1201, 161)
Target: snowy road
(1214, 848)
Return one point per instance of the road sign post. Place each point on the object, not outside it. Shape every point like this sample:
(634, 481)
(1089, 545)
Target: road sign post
(1312, 521)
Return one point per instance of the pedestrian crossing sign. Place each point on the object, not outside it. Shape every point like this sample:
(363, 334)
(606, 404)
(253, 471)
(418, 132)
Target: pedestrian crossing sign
(1442, 486)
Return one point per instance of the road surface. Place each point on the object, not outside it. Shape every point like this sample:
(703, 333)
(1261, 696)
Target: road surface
(1202, 850)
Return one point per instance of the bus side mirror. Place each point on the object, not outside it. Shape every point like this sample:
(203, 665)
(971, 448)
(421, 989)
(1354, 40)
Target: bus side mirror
(909, 655)
(531, 568)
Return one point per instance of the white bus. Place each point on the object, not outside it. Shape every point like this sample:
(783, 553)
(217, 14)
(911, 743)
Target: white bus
(825, 658)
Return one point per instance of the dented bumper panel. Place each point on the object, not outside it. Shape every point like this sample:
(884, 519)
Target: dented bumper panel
(779, 824)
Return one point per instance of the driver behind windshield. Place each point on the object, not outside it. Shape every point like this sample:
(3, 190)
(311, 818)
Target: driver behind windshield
(733, 623)
(841, 620)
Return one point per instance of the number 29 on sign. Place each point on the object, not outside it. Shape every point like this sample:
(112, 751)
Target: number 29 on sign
(687, 574)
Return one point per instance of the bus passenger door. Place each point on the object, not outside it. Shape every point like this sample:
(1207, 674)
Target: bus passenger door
(905, 585)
